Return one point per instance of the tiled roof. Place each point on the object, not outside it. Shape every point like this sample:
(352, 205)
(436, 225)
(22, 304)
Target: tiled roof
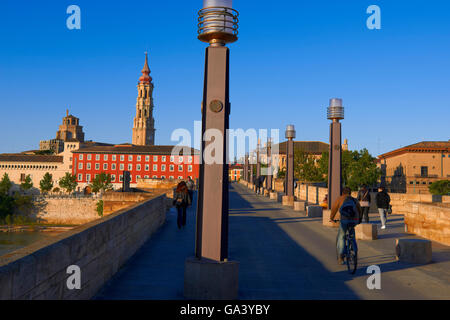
(132, 149)
(424, 146)
(17, 157)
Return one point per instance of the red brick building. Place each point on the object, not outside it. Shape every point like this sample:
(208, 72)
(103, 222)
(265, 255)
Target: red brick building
(148, 162)
(235, 172)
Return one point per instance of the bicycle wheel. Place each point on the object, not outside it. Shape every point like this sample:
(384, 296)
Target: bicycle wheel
(352, 257)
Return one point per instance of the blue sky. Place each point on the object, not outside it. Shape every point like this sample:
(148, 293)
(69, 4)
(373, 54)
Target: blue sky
(291, 58)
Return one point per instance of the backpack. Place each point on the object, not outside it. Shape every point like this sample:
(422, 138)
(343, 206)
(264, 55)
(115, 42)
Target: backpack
(348, 209)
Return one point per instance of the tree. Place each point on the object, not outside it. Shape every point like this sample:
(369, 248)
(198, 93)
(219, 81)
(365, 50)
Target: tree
(46, 184)
(101, 182)
(68, 182)
(27, 184)
(5, 184)
(441, 187)
(358, 168)
(305, 167)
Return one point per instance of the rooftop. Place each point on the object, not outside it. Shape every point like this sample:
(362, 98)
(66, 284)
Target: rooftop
(20, 157)
(132, 149)
(424, 146)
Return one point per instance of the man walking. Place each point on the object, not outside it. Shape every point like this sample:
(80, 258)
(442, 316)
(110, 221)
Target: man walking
(190, 186)
(383, 200)
(350, 212)
(364, 202)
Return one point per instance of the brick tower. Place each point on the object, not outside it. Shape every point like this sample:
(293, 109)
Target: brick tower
(144, 124)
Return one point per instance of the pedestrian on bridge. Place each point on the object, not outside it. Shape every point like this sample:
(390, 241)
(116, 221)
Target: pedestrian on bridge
(383, 203)
(181, 201)
(191, 186)
(364, 201)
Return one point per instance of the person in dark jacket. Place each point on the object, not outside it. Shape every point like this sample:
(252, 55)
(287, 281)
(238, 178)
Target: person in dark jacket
(383, 200)
(181, 201)
(364, 201)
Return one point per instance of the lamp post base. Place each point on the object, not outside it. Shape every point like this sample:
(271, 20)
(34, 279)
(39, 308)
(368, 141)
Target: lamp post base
(210, 280)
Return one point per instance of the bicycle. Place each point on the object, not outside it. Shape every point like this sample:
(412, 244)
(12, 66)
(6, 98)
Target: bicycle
(350, 251)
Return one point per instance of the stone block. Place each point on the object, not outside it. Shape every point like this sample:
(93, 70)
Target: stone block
(210, 280)
(288, 201)
(299, 205)
(326, 219)
(413, 250)
(274, 196)
(314, 211)
(366, 231)
(266, 193)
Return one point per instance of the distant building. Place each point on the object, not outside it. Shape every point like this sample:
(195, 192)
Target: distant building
(19, 165)
(413, 168)
(69, 131)
(144, 124)
(235, 172)
(143, 162)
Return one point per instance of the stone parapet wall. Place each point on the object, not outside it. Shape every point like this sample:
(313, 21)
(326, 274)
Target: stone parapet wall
(73, 211)
(99, 248)
(429, 221)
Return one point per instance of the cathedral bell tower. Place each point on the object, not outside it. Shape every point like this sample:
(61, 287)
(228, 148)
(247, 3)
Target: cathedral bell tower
(144, 124)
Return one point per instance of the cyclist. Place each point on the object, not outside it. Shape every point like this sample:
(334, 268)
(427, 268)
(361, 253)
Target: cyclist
(350, 212)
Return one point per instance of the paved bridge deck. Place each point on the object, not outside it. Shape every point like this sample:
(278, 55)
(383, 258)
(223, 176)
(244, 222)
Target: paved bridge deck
(282, 255)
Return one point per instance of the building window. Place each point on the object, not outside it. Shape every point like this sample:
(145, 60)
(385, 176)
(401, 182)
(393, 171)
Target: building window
(155, 158)
(145, 177)
(180, 177)
(130, 158)
(80, 166)
(121, 167)
(130, 167)
(180, 168)
(190, 159)
(88, 166)
(122, 157)
(138, 167)
(113, 177)
(180, 159)
(424, 171)
(97, 166)
(88, 177)
(80, 157)
(190, 168)
(163, 177)
(172, 158)
(163, 158)
(137, 177)
(147, 167)
(171, 177)
(155, 167)
(163, 167)
(113, 157)
(97, 157)
(22, 177)
(105, 157)
(154, 177)
(80, 177)
(121, 178)
(105, 166)
(113, 166)
(89, 157)
(171, 167)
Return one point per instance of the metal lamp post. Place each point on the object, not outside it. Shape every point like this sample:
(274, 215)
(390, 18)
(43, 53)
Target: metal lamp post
(288, 199)
(335, 112)
(209, 275)
(246, 168)
(269, 166)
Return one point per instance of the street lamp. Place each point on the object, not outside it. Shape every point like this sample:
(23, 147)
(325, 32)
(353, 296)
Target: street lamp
(288, 199)
(209, 275)
(335, 113)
